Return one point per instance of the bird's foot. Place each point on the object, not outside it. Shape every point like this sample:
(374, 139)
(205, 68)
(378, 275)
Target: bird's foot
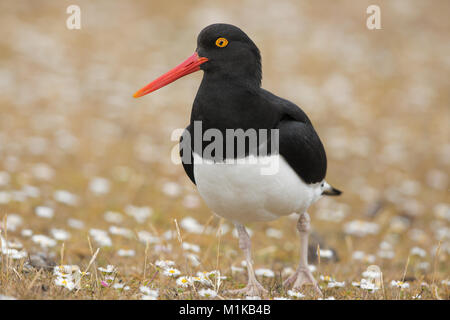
(253, 288)
(300, 278)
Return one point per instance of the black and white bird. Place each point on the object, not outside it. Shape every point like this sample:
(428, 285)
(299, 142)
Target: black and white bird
(230, 97)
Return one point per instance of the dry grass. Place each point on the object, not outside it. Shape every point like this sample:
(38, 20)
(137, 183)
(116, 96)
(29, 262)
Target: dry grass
(379, 100)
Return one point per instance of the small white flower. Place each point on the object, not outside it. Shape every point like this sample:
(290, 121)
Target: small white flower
(75, 223)
(101, 237)
(149, 294)
(171, 272)
(43, 241)
(184, 281)
(326, 278)
(27, 233)
(139, 213)
(44, 212)
(109, 269)
(416, 251)
(60, 234)
(13, 221)
(191, 225)
(265, 272)
(145, 236)
(99, 186)
(193, 258)
(191, 201)
(172, 189)
(295, 294)
(336, 284)
(328, 298)
(190, 246)
(207, 293)
(113, 217)
(327, 254)
(126, 253)
(361, 228)
(66, 197)
(399, 284)
(65, 282)
(367, 285)
(120, 286)
(237, 269)
(252, 298)
(124, 232)
(5, 178)
(274, 233)
(15, 254)
(202, 277)
(164, 263)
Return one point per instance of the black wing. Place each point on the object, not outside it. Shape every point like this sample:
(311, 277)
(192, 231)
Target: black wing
(299, 143)
(186, 151)
(301, 147)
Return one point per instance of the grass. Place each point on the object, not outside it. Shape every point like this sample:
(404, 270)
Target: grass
(378, 99)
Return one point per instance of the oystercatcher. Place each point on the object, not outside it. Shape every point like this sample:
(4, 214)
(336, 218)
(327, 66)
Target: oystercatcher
(230, 97)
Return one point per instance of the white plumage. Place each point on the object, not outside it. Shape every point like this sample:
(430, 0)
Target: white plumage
(250, 191)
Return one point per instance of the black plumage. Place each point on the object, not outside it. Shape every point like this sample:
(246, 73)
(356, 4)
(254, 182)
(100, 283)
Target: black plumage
(230, 97)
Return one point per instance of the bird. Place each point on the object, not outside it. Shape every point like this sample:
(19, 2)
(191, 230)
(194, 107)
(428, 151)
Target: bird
(230, 178)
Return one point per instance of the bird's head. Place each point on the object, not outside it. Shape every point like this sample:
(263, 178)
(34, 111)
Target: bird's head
(223, 52)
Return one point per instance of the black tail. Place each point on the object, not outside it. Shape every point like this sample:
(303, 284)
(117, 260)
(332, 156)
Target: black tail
(332, 192)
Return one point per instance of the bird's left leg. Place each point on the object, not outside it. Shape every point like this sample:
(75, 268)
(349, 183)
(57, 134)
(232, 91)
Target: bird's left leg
(302, 276)
(253, 288)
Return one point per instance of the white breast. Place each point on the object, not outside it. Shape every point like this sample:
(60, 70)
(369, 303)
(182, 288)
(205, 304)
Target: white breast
(258, 189)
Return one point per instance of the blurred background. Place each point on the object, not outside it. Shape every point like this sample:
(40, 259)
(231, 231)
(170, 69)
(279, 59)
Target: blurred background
(74, 141)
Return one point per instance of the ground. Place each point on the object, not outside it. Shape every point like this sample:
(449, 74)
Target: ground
(87, 180)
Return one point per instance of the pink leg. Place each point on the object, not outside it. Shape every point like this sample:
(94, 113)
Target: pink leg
(302, 276)
(253, 288)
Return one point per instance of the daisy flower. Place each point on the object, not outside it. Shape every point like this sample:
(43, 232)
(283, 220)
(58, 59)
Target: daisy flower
(44, 212)
(120, 286)
(171, 272)
(109, 269)
(336, 284)
(399, 284)
(326, 278)
(126, 253)
(265, 272)
(149, 294)
(295, 294)
(164, 263)
(65, 282)
(190, 246)
(184, 281)
(43, 241)
(207, 293)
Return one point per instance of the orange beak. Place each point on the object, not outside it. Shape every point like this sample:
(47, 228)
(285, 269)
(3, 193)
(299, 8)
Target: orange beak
(190, 65)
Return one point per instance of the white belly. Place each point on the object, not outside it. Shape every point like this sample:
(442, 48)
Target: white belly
(245, 192)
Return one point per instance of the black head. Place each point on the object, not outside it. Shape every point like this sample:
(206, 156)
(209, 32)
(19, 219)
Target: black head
(224, 52)
(231, 54)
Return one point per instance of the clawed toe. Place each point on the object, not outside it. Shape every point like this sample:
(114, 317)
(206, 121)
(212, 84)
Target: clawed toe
(252, 289)
(300, 278)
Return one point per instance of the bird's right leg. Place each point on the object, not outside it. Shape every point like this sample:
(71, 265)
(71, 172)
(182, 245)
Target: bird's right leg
(253, 288)
(303, 276)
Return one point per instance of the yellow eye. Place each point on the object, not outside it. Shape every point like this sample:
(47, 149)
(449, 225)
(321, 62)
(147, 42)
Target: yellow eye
(221, 42)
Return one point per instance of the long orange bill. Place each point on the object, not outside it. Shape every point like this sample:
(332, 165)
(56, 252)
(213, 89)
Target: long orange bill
(190, 65)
